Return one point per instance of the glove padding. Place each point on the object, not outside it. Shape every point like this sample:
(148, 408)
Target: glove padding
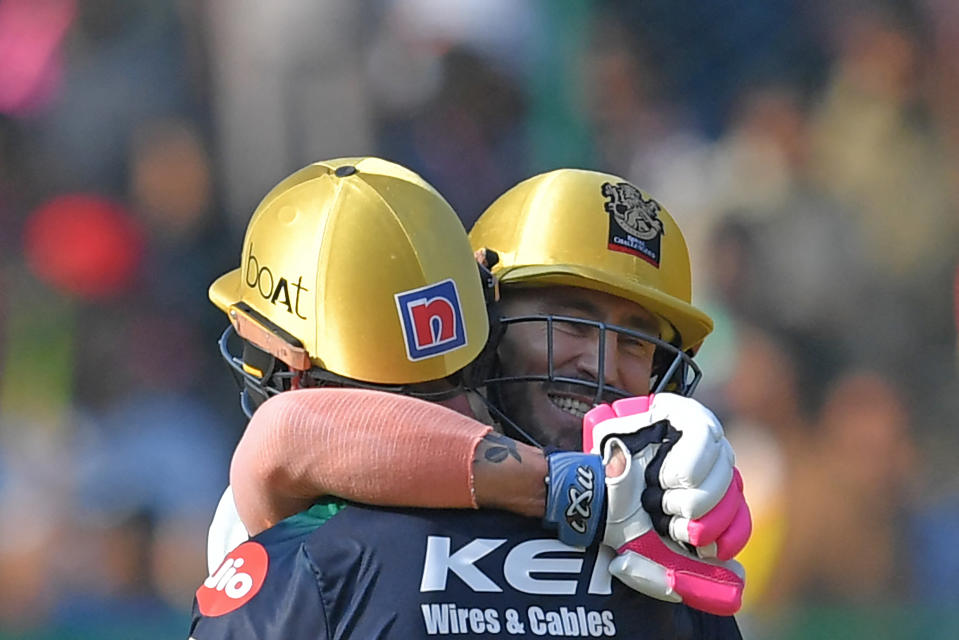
(654, 565)
(691, 481)
(693, 493)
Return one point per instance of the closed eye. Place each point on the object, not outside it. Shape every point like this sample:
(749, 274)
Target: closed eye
(635, 345)
(574, 328)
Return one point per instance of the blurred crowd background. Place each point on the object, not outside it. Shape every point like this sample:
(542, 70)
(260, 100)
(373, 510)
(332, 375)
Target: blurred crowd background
(808, 148)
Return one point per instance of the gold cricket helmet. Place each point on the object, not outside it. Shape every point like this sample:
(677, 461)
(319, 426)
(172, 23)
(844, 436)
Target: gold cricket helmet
(597, 231)
(359, 267)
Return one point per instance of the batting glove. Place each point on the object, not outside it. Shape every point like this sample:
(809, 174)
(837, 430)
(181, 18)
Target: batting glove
(692, 488)
(584, 504)
(693, 494)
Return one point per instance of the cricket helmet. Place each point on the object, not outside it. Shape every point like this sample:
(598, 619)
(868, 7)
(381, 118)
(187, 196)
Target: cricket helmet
(597, 231)
(358, 268)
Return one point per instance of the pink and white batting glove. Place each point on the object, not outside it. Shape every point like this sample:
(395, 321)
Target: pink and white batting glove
(677, 544)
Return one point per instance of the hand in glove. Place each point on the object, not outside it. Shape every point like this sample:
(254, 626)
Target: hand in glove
(693, 493)
(670, 452)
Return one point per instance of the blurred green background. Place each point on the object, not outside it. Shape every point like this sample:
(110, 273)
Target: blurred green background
(808, 148)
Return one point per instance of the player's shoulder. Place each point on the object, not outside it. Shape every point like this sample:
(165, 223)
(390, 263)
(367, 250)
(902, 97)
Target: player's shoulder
(250, 591)
(264, 589)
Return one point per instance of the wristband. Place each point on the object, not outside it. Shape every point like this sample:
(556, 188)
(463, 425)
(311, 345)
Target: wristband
(575, 496)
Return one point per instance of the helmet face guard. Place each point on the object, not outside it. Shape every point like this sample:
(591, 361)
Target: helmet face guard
(674, 370)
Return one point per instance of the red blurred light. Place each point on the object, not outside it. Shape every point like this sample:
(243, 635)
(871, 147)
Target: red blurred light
(84, 245)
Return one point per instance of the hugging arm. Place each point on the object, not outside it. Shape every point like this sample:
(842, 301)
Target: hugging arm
(377, 448)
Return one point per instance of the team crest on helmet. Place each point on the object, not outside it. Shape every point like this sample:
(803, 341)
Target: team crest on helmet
(432, 320)
(634, 224)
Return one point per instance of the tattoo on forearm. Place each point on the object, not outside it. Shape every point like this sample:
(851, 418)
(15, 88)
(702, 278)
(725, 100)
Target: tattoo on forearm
(500, 448)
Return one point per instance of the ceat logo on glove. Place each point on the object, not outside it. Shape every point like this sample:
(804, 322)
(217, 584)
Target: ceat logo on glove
(239, 578)
(432, 320)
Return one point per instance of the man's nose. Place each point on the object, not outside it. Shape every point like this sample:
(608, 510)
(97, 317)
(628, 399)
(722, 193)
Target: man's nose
(602, 350)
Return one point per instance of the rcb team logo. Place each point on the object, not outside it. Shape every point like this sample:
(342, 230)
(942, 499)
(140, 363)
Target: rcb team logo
(634, 224)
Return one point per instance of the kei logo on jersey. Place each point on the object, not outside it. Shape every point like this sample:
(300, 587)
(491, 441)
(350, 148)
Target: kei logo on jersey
(543, 568)
(539, 566)
(432, 320)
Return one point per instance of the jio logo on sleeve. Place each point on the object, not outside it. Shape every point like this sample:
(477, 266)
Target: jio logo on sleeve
(432, 320)
(239, 578)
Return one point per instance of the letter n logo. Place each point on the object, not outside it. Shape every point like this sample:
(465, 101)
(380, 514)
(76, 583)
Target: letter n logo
(432, 320)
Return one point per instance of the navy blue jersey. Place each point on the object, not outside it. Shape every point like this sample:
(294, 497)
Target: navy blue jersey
(365, 573)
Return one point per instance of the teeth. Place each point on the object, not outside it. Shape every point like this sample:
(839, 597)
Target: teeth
(570, 405)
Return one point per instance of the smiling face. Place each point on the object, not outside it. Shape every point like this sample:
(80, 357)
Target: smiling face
(551, 411)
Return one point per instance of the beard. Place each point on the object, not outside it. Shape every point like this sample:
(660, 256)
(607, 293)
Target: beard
(542, 414)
